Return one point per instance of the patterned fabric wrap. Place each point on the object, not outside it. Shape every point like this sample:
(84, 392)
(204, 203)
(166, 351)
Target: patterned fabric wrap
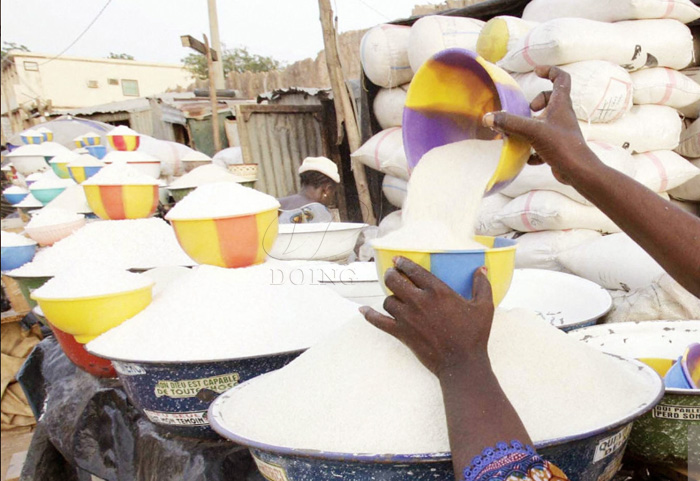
(514, 462)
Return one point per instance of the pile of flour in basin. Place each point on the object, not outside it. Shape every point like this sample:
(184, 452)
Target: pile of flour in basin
(213, 313)
(363, 391)
(125, 244)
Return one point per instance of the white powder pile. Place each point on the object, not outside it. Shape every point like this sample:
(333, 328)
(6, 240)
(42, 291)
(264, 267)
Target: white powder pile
(122, 130)
(213, 314)
(443, 197)
(88, 281)
(128, 156)
(124, 244)
(40, 175)
(72, 199)
(222, 199)
(53, 216)
(51, 182)
(29, 201)
(362, 391)
(65, 158)
(15, 189)
(120, 174)
(205, 174)
(10, 239)
(86, 160)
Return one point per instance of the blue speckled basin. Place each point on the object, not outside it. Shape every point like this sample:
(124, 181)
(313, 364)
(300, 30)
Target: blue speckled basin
(591, 456)
(176, 395)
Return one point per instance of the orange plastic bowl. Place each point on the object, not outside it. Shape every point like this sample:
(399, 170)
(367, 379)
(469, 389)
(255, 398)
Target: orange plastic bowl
(118, 202)
(238, 241)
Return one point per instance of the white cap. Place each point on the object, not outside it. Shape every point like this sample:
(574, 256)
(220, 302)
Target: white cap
(321, 164)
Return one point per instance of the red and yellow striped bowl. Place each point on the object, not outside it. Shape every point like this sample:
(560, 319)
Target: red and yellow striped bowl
(238, 241)
(124, 142)
(118, 202)
(456, 268)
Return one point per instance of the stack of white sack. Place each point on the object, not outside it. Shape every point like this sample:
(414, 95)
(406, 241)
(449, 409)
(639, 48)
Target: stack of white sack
(632, 85)
(390, 55)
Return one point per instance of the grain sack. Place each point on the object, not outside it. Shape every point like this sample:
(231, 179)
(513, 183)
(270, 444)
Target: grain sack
(687, 206)
(501, 34)
(487, 223)
(540, 250)
(384, 55)
(384, 152)
(540, 177)
(546, 210)
(689, 145)
(169, 153)
(664, 86)
(644, 128)
(633, 45)
(663, 170)
(611, 11)
(388, 106)
(662, 299)
(434, 33)
(394, 190)
(693, 110)
(614, 261)
(690, 190)
(600, 91)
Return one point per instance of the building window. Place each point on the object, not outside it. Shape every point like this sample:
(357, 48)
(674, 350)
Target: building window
(112, 81)
(130, 88)
(92, 84)
(31, 66)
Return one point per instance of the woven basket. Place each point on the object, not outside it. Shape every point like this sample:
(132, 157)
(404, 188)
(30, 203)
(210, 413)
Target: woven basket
(248, 171)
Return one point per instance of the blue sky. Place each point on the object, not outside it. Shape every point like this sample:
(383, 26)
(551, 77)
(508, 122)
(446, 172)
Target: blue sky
(150, 30)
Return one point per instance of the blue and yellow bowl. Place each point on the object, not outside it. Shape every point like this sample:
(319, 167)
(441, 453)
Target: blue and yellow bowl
(449, 95)
(82, 173)
(456, 268)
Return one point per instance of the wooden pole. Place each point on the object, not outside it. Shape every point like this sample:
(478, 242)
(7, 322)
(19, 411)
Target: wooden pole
(212, 96)
(343, 108)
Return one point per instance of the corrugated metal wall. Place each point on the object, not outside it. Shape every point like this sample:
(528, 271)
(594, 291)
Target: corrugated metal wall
(278, 138)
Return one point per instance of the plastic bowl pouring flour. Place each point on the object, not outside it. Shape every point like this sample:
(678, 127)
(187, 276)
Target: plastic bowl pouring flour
(439, 215)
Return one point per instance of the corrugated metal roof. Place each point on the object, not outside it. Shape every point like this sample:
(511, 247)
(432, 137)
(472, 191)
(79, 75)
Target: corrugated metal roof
(323, 94)
(133, 105)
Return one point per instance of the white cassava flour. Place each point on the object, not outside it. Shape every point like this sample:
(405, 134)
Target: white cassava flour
(88, 281)
(12, 239)
(213, 313)
(124, 244)
(53, 216)
(222, 199)
(120, 174)
(205, 174)
(362, 391)
(443, 197)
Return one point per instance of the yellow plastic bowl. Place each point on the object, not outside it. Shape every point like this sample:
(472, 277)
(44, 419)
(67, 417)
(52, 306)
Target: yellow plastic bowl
(660, 365)
(88, 317)
(456, 268)
(238, 241)
(118, 202)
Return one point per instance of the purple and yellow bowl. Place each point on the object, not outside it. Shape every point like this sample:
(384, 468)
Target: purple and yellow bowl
(456, 268)
(119, 202)
(238, 241)
(449, 95)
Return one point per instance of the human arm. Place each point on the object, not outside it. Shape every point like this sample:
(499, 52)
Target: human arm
(449, 335)
(670, 235)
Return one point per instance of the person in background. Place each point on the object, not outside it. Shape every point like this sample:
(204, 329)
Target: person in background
(449, 334)
(319, 179)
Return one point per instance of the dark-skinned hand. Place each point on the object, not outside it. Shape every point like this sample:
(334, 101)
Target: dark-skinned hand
(442, 328)
(555, 133)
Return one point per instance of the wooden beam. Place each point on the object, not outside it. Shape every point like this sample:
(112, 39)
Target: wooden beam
(191, 42)
(343, 107)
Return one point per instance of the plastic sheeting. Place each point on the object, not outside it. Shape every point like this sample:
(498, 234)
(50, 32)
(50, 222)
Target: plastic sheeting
(88, 426)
